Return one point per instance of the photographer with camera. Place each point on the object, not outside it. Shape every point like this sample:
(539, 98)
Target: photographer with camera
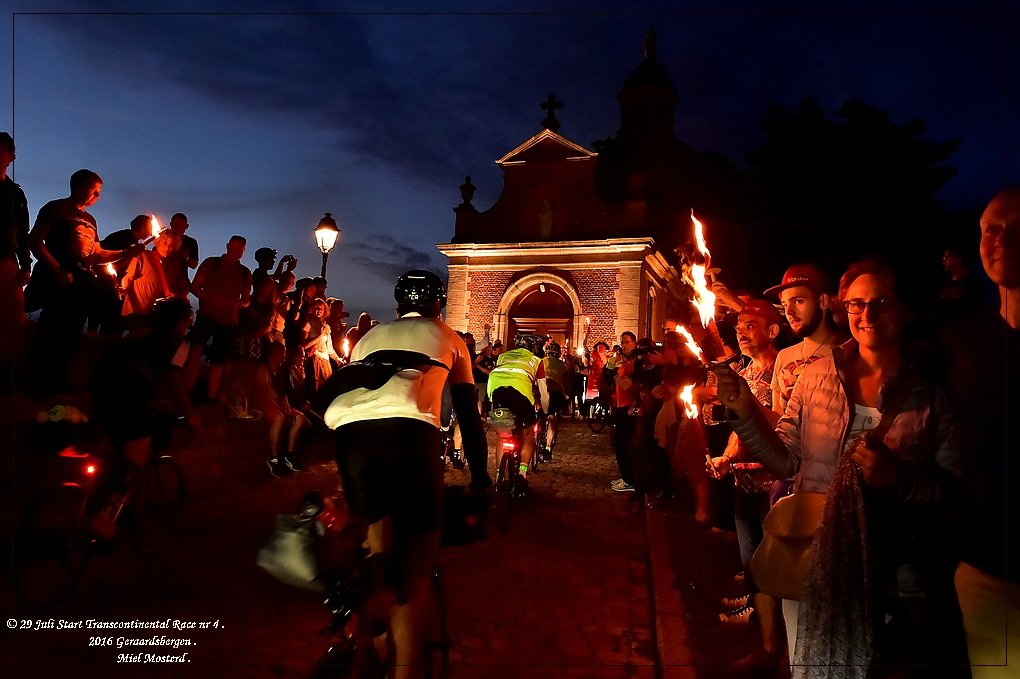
(265, 258)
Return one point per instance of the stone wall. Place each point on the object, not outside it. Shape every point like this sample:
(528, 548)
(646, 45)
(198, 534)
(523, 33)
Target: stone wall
(474, 299)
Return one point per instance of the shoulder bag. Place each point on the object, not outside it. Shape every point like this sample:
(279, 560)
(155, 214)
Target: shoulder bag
(780, 563)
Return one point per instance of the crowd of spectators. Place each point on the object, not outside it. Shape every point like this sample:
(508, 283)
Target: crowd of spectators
(262, 342)
(908, 576)
(910, 563)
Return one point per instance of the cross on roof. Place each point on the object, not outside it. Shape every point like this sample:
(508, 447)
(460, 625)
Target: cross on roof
(550, 106)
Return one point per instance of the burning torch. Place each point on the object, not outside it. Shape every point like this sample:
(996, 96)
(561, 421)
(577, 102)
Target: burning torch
(156, 230)
(697, 276)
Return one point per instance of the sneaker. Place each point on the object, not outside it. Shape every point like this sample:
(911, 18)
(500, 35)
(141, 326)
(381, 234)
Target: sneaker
(292, 462)
(617, 482)
(729, 603)
(624, 488)
(737, 615)
(276, 467)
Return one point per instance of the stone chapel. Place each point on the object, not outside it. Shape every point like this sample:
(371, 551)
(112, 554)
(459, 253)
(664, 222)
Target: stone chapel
(583, 244)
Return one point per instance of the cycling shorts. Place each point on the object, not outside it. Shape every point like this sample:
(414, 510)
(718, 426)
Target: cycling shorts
(392, 467)
(558, 403)
(524, 410)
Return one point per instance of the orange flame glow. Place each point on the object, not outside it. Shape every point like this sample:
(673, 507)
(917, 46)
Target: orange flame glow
(110, 270)
(580, 352)
(699, 236)
(346, 346)
(156, 228)
(704, 298)
(691, 345)
(687, 396)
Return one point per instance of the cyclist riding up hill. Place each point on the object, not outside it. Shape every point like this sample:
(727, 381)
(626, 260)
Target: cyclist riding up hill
(512, 385)
(386, 420)
(558, 380)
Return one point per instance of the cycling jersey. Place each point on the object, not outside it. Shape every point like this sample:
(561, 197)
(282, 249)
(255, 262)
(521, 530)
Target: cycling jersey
(413, 393)
(519, 369)
(557, 374)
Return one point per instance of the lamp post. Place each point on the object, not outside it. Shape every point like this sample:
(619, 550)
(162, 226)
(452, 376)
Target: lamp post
(327, 233)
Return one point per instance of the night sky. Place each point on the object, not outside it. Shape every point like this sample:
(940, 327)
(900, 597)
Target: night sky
(259, 123)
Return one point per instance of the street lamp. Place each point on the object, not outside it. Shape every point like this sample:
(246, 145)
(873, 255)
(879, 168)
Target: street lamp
(327, 233)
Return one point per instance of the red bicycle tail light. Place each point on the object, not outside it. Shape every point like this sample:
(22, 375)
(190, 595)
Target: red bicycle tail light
(90, 469)
(509, 445)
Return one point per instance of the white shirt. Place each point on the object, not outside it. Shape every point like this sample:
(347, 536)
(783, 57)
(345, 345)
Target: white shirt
(413, 394)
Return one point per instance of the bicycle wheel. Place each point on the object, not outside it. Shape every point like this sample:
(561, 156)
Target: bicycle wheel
(504, 492)
(597, 421)
(541, 450)
(51, 547)
(154, 508)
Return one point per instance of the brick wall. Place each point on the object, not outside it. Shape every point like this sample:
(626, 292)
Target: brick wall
(597, 290)
(478, 304)
(485, 289)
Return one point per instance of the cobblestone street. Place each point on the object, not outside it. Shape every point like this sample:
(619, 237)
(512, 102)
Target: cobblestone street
(565, 592)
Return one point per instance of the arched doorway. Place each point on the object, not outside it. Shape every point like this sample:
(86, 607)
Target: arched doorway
(544, 303)
(543, 309)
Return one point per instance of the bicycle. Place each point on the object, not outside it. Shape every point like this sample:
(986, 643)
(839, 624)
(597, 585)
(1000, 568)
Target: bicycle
(449, 455)
(354, 651)
(543, 451)
(507, 485)
(599, 416)
(53, 543)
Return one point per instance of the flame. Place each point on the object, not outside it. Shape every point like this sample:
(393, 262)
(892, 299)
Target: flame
(699, 236)
(687, 396)
(580, 352)
(154, 224)
(704, 298)
(110, 270)
(346, 346)
(691, 345)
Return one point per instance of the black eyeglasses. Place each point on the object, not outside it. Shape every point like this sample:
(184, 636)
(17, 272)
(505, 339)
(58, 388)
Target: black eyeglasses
(880, 305)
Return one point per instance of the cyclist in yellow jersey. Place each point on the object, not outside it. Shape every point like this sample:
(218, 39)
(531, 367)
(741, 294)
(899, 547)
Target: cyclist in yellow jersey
(512, 385)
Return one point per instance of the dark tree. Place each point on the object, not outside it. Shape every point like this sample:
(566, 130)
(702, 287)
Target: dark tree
(837, 189)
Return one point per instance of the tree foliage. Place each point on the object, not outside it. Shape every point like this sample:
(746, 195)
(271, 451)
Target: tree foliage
(836, 189)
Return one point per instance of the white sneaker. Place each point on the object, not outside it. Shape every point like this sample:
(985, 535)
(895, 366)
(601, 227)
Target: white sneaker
(617, 482)
(624, 488)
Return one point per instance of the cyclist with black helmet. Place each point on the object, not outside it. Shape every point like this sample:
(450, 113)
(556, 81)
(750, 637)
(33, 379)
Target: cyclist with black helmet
(388, 453)
(558, 380)
(512, 385)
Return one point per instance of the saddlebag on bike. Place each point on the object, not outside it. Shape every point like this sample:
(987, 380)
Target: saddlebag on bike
(503, 421)
(290, 553)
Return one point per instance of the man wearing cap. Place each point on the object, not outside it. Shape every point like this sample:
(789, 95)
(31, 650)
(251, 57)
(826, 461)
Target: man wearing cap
(265, 258)
(804, 297)
(757, 327)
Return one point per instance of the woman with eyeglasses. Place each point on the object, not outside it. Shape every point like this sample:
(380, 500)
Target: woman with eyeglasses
(878, 598)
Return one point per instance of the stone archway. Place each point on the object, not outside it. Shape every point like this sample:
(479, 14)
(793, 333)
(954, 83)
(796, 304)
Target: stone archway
(540, 302)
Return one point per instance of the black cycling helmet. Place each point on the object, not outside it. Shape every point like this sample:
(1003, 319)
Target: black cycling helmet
(418, 290)
(529, 341)
(553, 349)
